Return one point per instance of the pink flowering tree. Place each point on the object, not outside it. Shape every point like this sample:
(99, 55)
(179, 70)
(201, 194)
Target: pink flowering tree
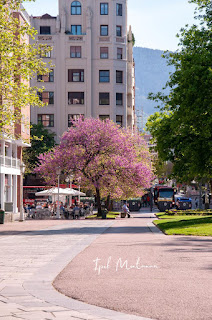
(108, 159)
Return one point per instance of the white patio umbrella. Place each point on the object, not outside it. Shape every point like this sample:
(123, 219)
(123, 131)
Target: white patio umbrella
(76, 192)
(54, 191)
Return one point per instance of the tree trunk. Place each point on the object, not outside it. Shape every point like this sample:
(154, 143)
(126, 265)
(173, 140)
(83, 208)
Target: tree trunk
(111, 205)
(207, 190)
(98, 200)
(200, 195)
(108, 203)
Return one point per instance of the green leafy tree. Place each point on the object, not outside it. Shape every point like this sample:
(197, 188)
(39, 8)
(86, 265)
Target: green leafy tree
(182, 128)
(19, 62)
(42, 141)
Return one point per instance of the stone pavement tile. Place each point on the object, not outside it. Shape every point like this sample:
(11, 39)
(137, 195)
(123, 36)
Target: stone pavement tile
(95, 318)
(3, 299)
(10, 318)
(7, 309)
(29, 302)
(34, 304)
(20, 299)
(7, 282)
(2, 286)
(99, 318)
(39, 315)
(76, 314)
(67, 317)
(13, 291)
(49, 309)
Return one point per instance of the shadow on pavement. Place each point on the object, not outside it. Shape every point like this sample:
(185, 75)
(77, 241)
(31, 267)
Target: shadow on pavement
(85, 230)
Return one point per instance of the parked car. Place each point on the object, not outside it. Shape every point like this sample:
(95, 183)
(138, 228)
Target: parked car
(183, 203)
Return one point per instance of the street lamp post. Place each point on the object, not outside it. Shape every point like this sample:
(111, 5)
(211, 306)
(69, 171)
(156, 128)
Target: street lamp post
(58, 172)
(151, 199)
(22, 169)
(79, 179)
(69, 180)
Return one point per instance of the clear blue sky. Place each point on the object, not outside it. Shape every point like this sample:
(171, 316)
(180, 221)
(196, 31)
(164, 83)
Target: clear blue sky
(154, 22)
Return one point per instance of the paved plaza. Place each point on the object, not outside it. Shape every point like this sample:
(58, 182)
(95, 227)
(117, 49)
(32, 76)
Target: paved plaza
(31, 259)
(171, 281)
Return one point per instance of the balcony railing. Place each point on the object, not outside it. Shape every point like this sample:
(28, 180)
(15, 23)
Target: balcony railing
(45, 37)
(120, 39)
(75, 38)
(10, 162)
(104, 39)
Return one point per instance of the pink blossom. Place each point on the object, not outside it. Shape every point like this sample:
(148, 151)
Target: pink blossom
(109, 159)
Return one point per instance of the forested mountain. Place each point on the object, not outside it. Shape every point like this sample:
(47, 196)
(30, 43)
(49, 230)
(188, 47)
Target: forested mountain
(151, 74)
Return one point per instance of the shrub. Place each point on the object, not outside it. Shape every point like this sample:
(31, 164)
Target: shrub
(172, 212)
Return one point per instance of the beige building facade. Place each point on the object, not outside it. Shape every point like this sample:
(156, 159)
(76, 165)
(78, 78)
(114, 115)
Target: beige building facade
(93, 72)
(11, 150)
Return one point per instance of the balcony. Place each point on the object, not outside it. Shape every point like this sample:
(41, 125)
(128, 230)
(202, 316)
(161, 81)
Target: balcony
(10, 162)
(44, 38)
(76, 38)
(120, 39)
(104, 39)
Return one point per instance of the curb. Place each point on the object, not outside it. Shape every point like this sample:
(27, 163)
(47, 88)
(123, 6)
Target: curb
(154, 229)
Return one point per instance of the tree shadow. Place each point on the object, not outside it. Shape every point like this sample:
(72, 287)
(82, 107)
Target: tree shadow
(80, 231)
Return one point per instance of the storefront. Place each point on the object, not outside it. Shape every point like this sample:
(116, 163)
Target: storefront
(10, 154)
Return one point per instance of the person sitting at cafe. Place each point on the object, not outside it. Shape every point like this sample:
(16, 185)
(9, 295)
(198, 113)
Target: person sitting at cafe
(38, 206)
(82, 210)
(76, 211)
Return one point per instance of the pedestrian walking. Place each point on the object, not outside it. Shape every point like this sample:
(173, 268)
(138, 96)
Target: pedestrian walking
(125, 209)
(196, 202)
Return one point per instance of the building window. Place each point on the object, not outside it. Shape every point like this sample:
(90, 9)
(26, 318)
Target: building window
(119, 99)
(104, 53)
(119, 53)
(118, 31)
(104, 117)
(45, 30)
(75, 75)
(104, 9)
(76, 29)
(46, 97)
(76, 8)
(75, 52)
(75, 97)
(72, 118)
(49, 77)
(119, 9)
(103, 30)
(119, 76)
(104, 98)
(45, 53)
(104, 76)
(47, 120)
(119, 120)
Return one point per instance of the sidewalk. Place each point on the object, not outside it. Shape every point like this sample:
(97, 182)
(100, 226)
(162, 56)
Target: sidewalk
(171, 281)
(31, 258)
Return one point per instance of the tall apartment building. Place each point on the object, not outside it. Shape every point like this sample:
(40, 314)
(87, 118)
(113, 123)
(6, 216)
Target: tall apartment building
(94, 68)
(11, 152)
